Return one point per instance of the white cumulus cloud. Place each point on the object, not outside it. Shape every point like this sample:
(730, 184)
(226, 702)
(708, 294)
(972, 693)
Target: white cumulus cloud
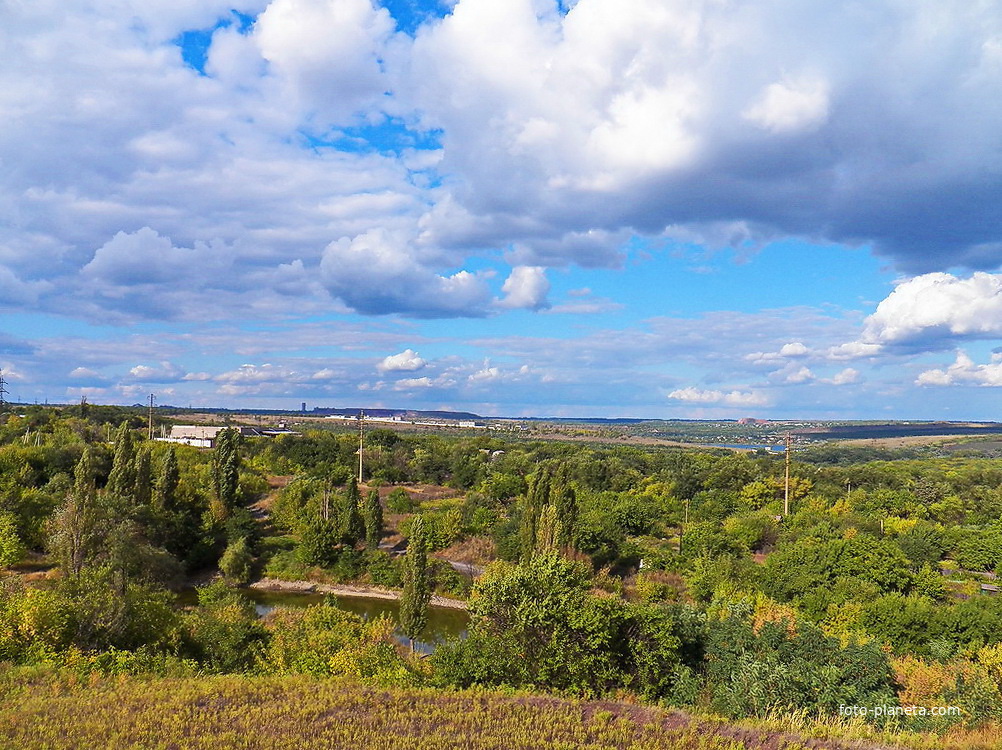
(964, 371)
(526, 287)
(726, 398)
(406, 361)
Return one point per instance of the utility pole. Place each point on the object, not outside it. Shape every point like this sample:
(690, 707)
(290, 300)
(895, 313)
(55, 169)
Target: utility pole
(361, 421)
(150, 435)
(786, 493)
(3, 391)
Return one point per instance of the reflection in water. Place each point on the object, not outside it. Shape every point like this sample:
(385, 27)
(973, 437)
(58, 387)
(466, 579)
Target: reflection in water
(442, 622)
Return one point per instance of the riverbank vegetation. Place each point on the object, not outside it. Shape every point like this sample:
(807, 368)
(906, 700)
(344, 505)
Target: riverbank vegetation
(675, 577)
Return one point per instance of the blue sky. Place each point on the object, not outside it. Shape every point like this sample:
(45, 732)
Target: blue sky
(603, 207)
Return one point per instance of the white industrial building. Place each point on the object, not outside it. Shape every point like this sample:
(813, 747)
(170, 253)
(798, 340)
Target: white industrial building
(204, 436)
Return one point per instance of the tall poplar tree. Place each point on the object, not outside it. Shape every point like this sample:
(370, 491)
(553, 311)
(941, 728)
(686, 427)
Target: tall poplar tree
(537, 496)
(566, 503)
(226, 467)
(168, 481)
(352, 525)
(417, 593)
(122, 479)
(74, 532)
(143, 473)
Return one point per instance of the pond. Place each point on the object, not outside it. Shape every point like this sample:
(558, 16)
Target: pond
(443, 622)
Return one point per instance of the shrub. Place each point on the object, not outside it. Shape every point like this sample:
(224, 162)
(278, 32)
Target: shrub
(399, 501)
(236, 562)
(11, 547)
(223, 632)
(326, 640)
(779, 670)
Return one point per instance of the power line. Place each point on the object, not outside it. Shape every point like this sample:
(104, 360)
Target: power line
(3, 390)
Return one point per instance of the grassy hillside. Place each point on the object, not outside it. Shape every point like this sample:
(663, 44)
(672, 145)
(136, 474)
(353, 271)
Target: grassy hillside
(62, 711)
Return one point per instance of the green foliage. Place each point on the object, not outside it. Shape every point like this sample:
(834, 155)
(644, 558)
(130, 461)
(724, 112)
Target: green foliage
(709, 539)
(320, 542)
(350, 517)
(399, 501)
(122, 479)
(777, 669)
(980, 549)
(923, 544)
(655, 663)
(236, 561)
(754, 531)
(417, 591)
(224, 633)
(808, 564)
(143, 477)
(382, 569)
(566, 639)
(11, 547)
(226, 467)
(373, 517)
(167, 481)
(325, 640)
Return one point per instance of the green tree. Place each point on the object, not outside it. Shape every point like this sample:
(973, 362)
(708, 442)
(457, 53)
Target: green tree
(236, 561)
(74, 526)
(226, 467)
(122, 479)
(11, 547)
(224, 632)
(398, 501)
(168, 481)
(566, 504)
(351, 522)
(548, 531)
(812, 564)
(417, 591)
(532, 505)
(546, 627)
(373, 517)
(143, 477)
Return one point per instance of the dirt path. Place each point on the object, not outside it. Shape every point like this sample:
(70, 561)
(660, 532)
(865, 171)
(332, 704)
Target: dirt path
(363, 592)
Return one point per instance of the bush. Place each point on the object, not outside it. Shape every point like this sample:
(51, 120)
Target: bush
(567, 638)
(382, 569)
(399, 501)
(236, 562)
(223, 632)
(325, 640)
(11, 547)
(781, 670)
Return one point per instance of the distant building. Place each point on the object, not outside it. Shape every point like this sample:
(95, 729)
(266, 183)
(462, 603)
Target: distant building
(204, 436)
(304, 407)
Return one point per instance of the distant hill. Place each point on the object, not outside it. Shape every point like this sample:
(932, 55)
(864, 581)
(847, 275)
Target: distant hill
(386, 413)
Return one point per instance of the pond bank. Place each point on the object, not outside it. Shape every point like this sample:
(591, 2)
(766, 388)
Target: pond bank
(363, 592)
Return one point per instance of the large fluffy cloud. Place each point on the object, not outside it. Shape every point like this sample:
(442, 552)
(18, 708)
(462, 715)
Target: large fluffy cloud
(815, 119)
(964, 371)
(931, 311)
(575, 128)
(378, 273)
(526, 287)
(406, 361)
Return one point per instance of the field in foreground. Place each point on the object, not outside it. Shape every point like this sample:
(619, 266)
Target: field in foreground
(60, 711)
